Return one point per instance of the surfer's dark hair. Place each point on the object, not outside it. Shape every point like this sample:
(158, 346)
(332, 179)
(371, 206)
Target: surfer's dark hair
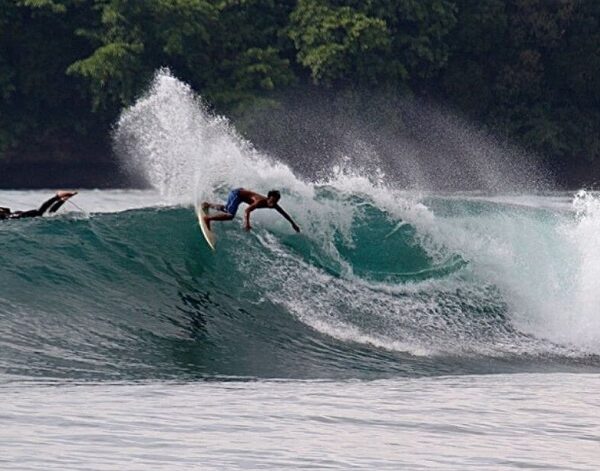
(274, 194)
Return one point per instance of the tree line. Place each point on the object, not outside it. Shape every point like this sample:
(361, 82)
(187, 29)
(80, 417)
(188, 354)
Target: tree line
(527, 69)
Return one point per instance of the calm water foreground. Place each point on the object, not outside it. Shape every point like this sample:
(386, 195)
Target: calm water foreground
(519, 421)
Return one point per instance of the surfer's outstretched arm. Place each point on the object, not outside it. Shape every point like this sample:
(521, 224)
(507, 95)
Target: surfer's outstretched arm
(287, 216)
(46, 205)
(249, 209)
(54, 203)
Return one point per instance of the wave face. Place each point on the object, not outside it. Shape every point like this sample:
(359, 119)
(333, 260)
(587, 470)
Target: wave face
(380, 283)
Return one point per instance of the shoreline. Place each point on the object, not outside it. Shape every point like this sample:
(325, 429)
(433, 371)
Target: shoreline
(88, 175)
(108, 174)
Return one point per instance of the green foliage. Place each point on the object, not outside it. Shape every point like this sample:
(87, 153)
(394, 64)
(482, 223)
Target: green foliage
(339, 44)
(37, 101)
(249, 55)
(134, 38)
(525, 68)
(112, 71)
(420, 30)
(50, 5)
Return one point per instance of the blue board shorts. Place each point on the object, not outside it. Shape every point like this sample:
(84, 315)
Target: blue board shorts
(233, 201)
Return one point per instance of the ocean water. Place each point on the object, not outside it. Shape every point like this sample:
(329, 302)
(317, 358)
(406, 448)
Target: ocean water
(496, 422)
(402, 329)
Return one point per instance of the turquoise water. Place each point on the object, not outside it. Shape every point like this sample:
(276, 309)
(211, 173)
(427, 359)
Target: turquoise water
(401, 329)
(125, 342)
(136, 295)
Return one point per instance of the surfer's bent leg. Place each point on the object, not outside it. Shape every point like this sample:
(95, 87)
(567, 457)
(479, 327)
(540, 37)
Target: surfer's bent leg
(218, 207)
(218, 217)
(228, 209)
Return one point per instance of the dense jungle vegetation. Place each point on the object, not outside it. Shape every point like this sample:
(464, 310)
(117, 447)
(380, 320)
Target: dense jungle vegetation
(526, 69)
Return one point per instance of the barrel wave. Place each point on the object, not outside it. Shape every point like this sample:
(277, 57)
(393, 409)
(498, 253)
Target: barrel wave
(380, 282)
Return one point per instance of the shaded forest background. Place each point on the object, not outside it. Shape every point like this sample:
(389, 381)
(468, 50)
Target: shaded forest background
(527, 70)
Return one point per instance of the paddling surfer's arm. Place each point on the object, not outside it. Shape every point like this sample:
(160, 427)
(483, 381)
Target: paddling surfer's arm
(287, 217)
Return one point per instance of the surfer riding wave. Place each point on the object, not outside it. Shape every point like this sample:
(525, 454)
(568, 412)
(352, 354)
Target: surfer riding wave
(253, 200)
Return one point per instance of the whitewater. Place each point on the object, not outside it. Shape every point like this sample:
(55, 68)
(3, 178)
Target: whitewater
(404, 327)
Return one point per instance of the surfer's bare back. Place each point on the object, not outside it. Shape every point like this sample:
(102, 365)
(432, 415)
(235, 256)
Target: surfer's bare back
(253, 200)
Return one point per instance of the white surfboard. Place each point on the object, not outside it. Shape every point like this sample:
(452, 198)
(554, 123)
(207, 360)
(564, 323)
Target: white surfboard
(209, 235)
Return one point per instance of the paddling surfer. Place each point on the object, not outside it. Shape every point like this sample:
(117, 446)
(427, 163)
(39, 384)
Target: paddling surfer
(50, 206)
(253, 200)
